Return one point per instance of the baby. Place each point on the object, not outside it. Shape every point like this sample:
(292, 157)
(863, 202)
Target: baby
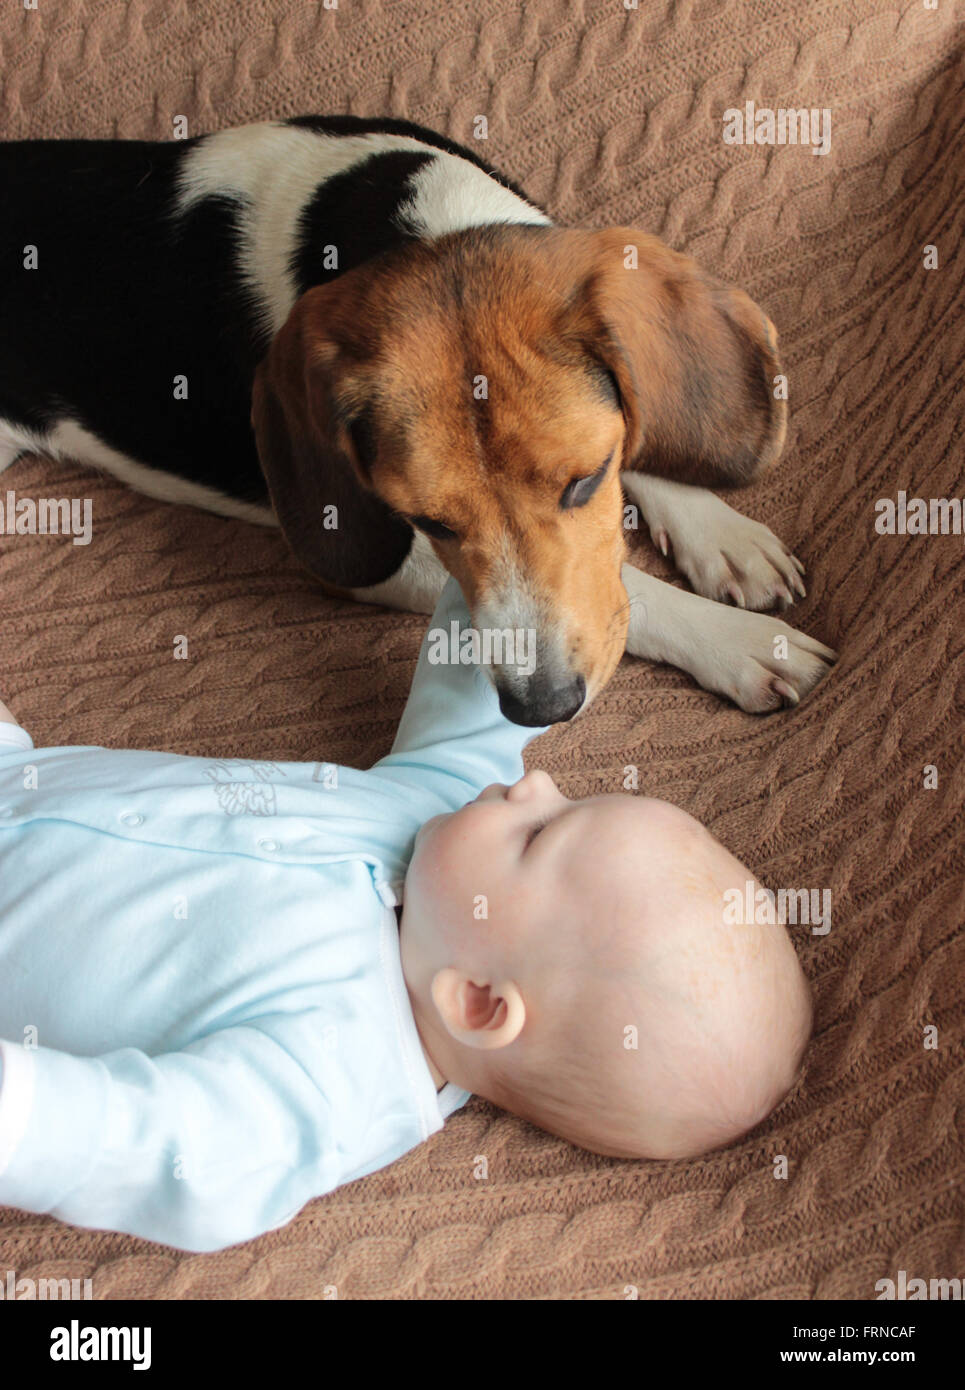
(209, 1013)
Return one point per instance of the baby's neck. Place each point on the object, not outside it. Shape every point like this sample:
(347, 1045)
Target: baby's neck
(437, 1077)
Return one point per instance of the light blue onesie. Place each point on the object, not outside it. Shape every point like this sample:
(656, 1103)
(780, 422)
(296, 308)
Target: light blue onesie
(205, 1018)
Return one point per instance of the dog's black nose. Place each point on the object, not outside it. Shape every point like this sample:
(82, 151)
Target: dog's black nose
(543, 705)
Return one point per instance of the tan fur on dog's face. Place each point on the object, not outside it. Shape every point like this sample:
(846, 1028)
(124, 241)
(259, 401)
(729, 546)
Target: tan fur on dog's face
(484, 432)
(470, 381)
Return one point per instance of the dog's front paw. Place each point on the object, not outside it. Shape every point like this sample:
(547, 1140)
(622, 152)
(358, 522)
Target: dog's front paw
(758, 662)
(727, 556)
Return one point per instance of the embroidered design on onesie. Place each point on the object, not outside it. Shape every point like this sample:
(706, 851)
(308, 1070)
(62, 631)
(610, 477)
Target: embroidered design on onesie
(237, 794)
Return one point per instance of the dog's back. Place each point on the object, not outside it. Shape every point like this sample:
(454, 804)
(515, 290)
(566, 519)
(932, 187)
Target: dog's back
(146, 279)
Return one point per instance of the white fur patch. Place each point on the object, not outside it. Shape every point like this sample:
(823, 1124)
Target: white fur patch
(451, 194)
(16, 440)
(70, 440)
(512, 605)
(273, 170)
(416, 584)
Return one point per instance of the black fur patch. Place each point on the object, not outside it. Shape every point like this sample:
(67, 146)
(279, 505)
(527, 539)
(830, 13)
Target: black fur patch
(356, 213)
(123, 300)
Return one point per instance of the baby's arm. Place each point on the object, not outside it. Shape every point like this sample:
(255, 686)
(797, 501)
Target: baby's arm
(453, 740)
(199, 1149)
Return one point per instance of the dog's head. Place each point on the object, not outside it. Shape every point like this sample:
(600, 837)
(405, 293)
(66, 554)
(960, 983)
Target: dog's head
(486, 388)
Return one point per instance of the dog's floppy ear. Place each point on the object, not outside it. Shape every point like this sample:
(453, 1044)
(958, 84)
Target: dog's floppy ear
(694, 361)
(315, 430)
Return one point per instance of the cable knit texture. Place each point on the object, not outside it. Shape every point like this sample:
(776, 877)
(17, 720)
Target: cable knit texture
(605, 115)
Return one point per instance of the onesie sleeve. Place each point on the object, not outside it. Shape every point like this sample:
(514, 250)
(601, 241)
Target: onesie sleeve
(199, 1149)
(453, 739)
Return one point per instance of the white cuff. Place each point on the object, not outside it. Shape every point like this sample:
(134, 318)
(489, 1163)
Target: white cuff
(16, 1097)
(12, 736)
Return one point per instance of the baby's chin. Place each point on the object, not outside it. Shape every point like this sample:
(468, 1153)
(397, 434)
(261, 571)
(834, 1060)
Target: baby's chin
(432, 848)
(427, 863)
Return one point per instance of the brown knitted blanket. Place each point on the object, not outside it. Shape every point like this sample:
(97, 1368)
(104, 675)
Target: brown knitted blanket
(605, 115)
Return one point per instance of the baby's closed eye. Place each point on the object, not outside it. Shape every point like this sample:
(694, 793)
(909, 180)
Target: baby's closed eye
(533, 830)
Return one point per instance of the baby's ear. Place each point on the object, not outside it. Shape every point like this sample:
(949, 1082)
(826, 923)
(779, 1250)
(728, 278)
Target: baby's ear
(478, 1015)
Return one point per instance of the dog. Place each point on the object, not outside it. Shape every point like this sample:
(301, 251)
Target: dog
(357, 331)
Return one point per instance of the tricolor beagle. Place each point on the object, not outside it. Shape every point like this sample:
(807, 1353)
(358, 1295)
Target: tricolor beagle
(357, 330)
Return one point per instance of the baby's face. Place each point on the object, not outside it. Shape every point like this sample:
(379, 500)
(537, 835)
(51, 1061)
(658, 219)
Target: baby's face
(505, 855)
(511, 865)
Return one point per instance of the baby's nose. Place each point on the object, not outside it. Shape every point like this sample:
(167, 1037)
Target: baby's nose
(496, 791)
(533, 784)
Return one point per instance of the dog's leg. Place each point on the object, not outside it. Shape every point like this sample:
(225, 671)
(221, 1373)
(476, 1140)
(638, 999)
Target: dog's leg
(725, 556)
(416, 584)
(758, 662)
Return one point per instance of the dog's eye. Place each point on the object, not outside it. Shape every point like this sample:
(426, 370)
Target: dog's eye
(438, 530)
(363, 441)
(579, 490)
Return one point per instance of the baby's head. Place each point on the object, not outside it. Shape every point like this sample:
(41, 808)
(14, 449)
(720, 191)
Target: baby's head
(572, 962)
